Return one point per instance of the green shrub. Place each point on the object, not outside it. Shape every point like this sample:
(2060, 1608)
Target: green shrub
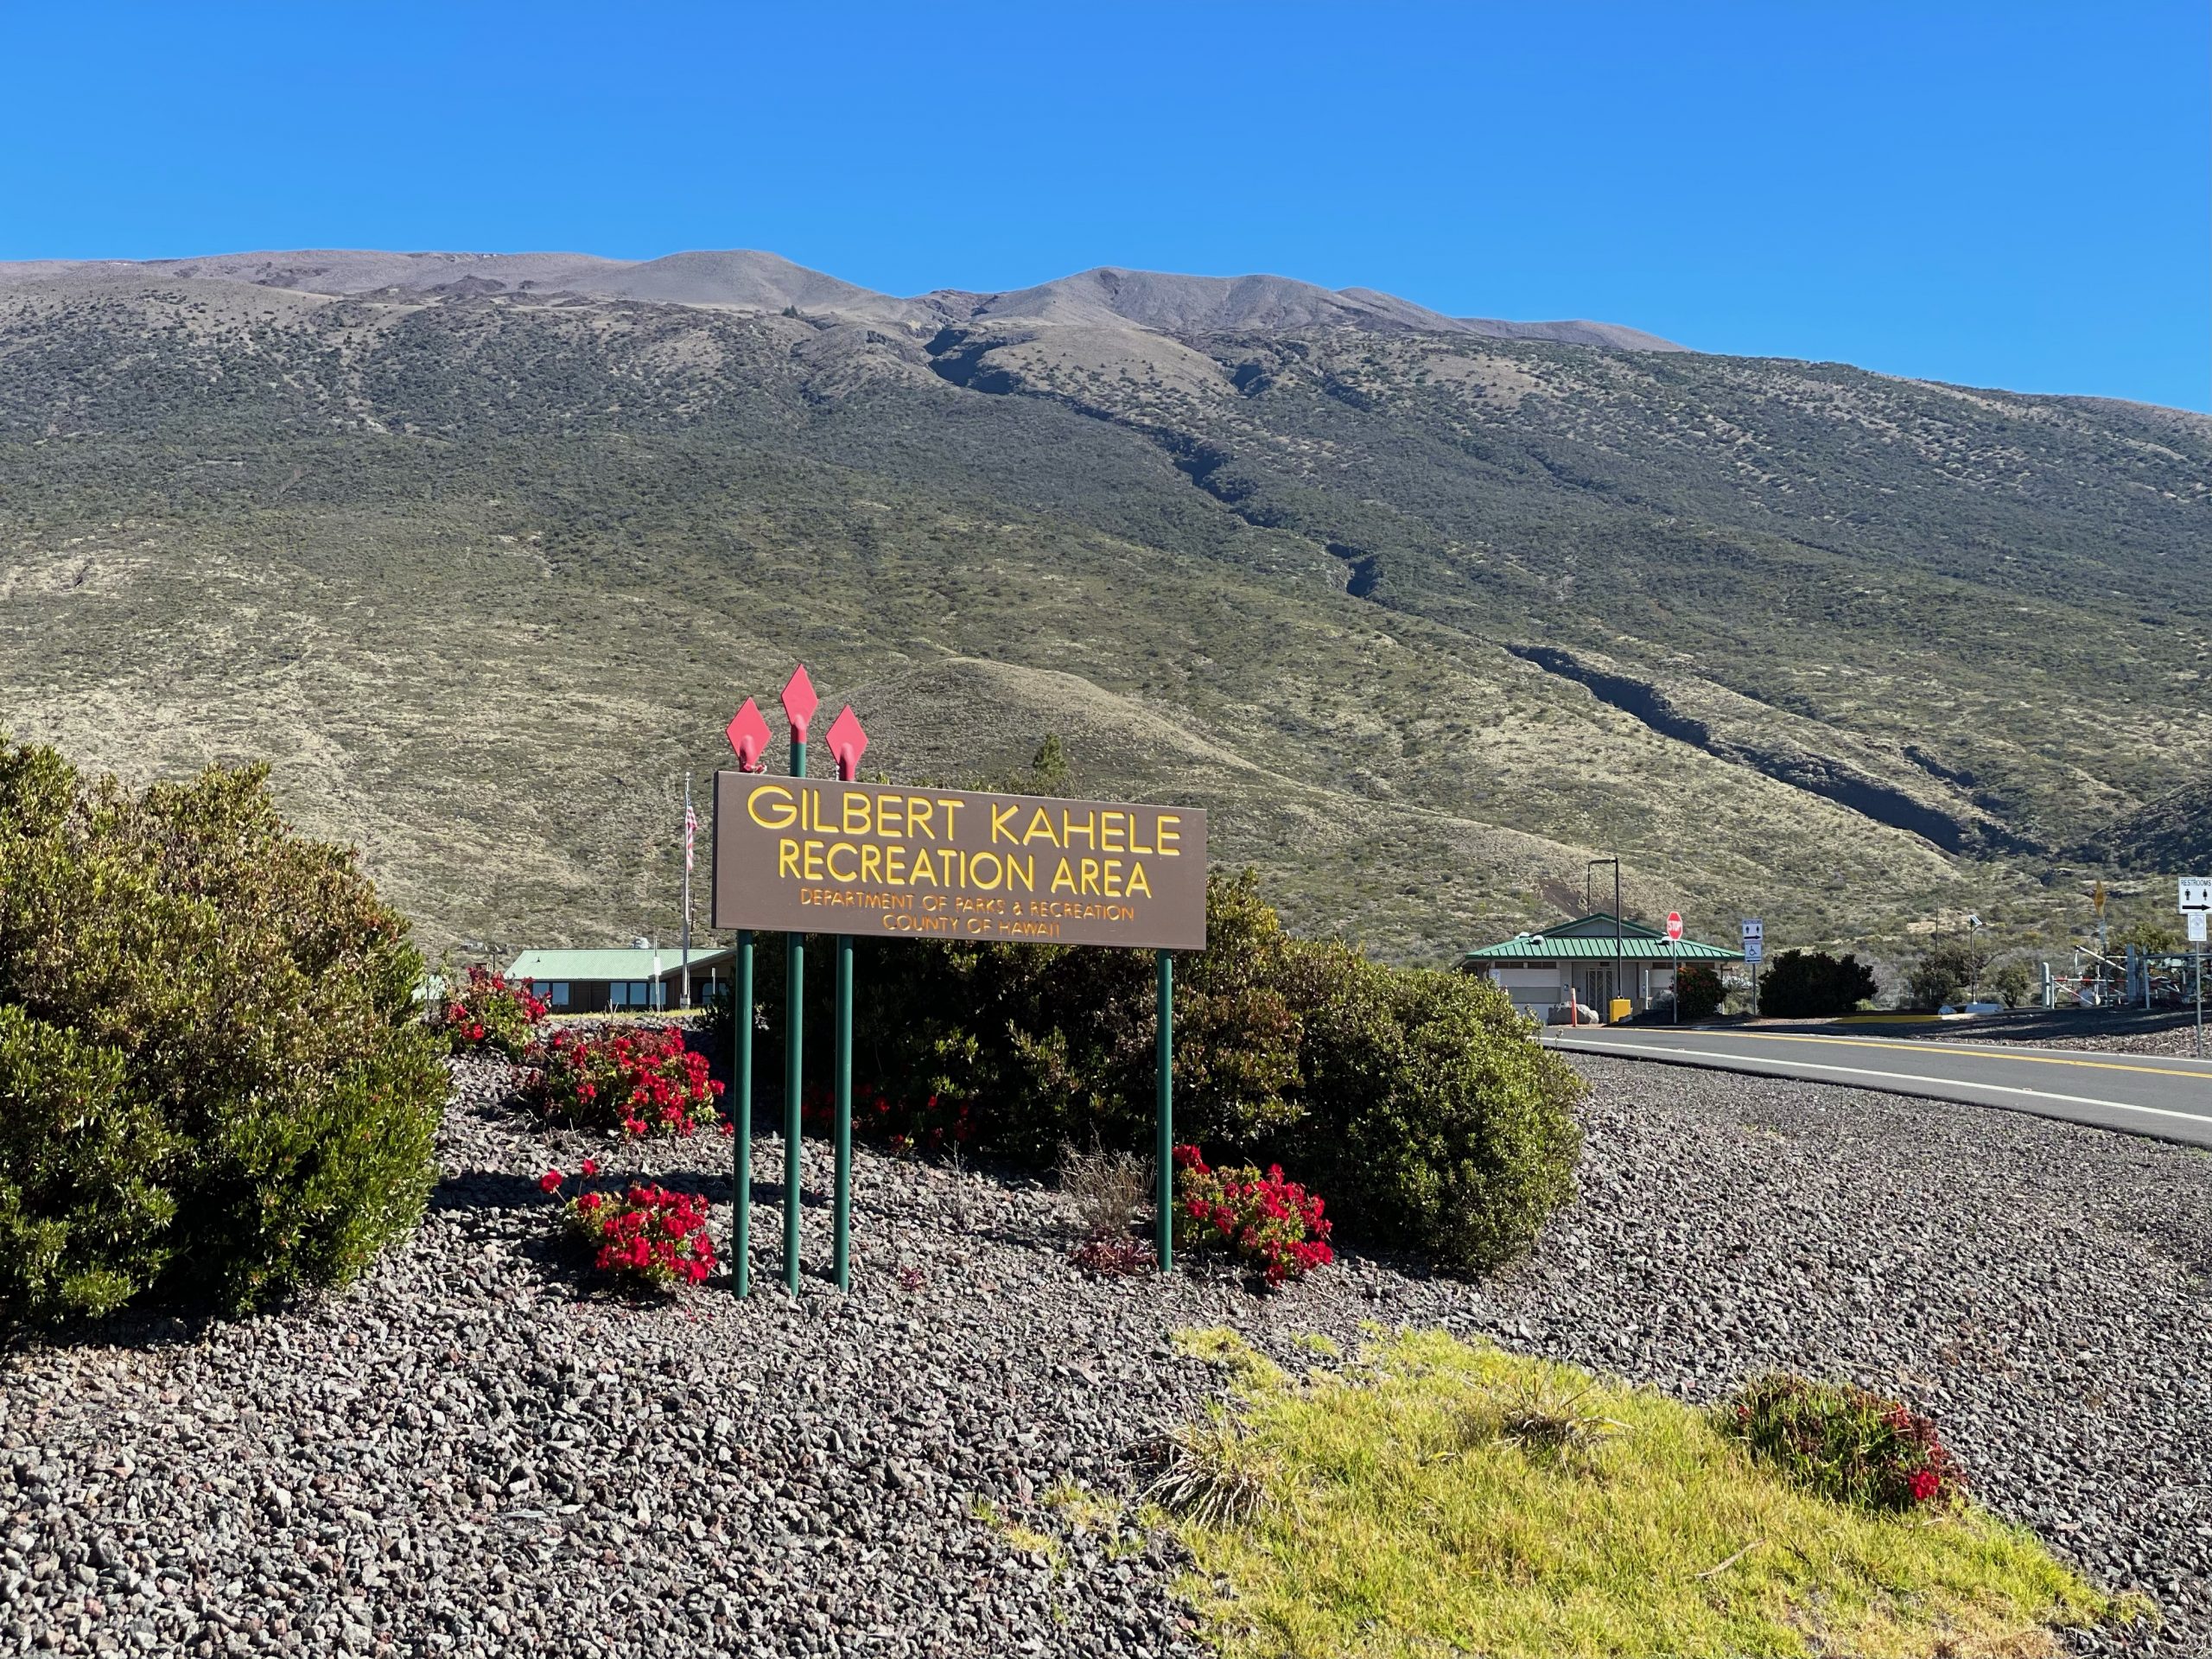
(1431, 1121)
(1945, 971)
(79, 1218)
(1413, 1098)
(1843, 1442)
(1047, 1045)
(1698, 990)
(1812, 985)
(214, 1085)
(2014, 983)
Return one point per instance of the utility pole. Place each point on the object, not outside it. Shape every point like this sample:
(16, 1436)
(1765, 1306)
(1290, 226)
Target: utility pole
(690, 837)
(1592, 865)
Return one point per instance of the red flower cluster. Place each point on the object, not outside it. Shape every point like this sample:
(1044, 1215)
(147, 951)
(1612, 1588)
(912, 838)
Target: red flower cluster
(1273, 1225)
(487, 1010)
(648, 1237)
(640, 1082)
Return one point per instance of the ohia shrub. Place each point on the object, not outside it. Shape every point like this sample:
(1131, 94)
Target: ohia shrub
(214, 1083)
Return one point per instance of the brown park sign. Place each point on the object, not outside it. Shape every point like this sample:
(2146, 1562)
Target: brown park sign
(810, 855)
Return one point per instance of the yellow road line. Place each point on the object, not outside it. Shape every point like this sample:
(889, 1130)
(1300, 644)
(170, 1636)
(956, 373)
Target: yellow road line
(1985, 1053)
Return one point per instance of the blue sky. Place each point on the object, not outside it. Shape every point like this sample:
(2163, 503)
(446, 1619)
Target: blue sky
(2017, 195)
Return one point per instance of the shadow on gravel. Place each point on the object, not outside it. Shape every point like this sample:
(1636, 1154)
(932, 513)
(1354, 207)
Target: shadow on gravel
(146, 1332)
(484, 1189)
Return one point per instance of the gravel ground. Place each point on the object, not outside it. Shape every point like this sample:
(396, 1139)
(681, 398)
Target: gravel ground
(474, 1452)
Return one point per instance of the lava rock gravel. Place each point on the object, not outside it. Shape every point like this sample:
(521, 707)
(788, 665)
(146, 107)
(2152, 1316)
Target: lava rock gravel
(477, 1451)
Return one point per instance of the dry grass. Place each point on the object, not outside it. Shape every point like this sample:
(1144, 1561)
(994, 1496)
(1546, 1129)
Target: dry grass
(1109, 1188)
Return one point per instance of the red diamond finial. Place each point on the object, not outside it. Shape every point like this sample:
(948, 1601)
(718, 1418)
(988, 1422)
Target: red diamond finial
(799, 702)
(848, 742)
(748, 735)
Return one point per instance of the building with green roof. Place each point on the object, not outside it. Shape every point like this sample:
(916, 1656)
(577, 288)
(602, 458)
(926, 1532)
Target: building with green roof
(641, 977)
(1571, 965)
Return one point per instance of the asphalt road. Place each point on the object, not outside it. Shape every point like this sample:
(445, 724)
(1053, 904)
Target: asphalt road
(2152, 1095)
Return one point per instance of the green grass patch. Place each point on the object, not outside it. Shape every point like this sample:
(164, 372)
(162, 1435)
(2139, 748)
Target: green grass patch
(1435, 1497)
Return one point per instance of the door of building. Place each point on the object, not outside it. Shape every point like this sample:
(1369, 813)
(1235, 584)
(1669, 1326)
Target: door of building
(1593, 986)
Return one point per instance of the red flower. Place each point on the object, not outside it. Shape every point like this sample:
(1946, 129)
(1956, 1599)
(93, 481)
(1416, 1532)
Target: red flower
(1925, 1484)
(550, 1181)
(591, 1166)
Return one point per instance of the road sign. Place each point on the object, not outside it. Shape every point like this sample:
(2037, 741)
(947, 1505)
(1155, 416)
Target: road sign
(795, 856)
(1754, 936)
(1674, 923)
(2196, 927)
(2195, 892)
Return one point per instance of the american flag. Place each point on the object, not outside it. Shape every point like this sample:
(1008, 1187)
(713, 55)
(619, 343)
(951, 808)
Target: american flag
(690, 834)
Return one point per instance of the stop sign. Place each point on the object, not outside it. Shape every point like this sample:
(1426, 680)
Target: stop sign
(1674, 923)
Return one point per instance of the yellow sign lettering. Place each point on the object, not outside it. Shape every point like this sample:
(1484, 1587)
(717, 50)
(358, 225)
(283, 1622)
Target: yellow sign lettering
(780, 811)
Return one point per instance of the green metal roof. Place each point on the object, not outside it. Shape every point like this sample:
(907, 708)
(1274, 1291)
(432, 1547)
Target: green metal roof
(1590, 938)
(569, 965)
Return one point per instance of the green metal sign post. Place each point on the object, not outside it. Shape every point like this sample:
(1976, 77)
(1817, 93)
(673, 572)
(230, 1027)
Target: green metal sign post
(742, 1116)
(848, 742)
(1163, 1134)
(800, 704)
(748, 736)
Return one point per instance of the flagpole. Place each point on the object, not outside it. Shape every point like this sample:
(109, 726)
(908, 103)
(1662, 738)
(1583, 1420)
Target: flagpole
(690, 828)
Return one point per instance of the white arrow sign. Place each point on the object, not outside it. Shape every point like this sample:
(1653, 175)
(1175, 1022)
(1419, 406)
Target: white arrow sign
(2195, 892)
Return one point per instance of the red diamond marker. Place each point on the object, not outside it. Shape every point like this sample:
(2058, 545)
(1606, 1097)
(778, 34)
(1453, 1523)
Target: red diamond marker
(748, 735)
(848, 742)
(799, 702)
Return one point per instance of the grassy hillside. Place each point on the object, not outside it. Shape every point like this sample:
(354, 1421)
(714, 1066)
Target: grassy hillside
(1425, 620)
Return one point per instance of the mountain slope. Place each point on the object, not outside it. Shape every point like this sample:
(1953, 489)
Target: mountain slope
(1428, 618)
